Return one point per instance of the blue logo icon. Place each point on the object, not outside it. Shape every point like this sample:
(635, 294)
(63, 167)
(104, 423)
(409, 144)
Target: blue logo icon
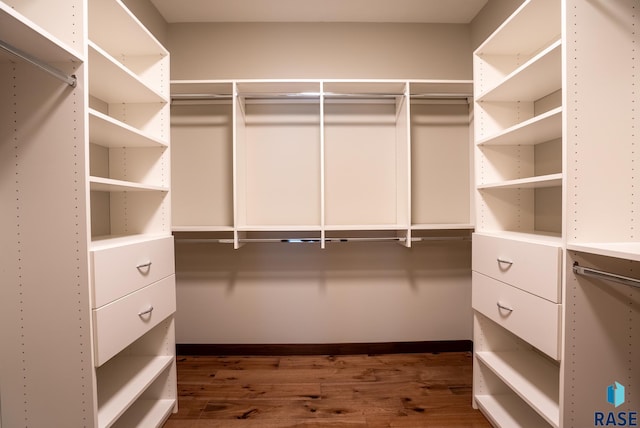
(615, 394)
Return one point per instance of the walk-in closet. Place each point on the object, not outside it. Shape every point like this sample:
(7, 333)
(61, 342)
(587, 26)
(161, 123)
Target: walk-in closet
(279, 213)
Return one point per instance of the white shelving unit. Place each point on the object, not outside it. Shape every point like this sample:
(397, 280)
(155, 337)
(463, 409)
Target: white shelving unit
(70, 233)
(602, 191)
(130, 213)
(518, 244)
(362, 158)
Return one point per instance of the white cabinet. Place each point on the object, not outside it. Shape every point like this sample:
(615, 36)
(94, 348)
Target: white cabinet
(321, 160)
(518, 244)
(84, 191)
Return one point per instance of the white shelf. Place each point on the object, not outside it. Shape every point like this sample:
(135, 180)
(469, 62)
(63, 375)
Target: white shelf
(531, 236)
(551, 180)
(366, 227)
(508, 411)
(531, 377)
(110, 185)
(442, 226)
(109, 132)
(118, 30)
(621, 250)
(279, 228)
(112, 241)
(22, 33)
(522, 33)
(146, 413)
(111, 82)
(202, 228)
(122, 380)
(539, 129)
(540, 76)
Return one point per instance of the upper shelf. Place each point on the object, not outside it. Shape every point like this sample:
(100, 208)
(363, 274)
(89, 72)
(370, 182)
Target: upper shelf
(540, 76)
(522, 33)
(116, 30)
(20, 32)
(111, 82)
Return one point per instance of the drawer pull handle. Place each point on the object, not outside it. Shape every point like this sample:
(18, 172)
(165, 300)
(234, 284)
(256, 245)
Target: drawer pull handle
(503, 307)
(504, 261)
(146, 312)
(142, 266)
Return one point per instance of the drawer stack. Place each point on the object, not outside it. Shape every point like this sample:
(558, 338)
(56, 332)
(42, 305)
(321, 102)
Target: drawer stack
(133, 301)
(516, 299)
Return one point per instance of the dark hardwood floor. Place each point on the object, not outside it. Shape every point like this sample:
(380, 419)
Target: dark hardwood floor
(389, 390)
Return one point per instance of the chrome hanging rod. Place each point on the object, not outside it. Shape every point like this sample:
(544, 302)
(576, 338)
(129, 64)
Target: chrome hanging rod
(70, 80)
(315, 95)
(607, 276)
(318, 240)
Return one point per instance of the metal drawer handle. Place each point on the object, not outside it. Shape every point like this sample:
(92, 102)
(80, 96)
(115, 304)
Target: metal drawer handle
(146, 265)
(503, 307)
(148, 311)
(506, 262)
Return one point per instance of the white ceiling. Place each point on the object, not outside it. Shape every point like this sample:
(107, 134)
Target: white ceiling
(413, 11)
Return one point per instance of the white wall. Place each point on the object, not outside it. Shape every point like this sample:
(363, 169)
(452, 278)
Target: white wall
(490, 17)
(319, 51)
(299, 293)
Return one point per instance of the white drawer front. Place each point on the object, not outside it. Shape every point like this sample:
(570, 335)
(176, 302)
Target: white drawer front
(121, 270)
(533, 267)
(120, 323)
(529, 317)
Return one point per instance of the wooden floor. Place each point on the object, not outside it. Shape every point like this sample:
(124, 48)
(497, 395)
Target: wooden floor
(401, 390)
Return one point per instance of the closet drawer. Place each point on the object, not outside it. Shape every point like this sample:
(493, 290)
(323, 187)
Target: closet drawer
(120, 270)
(529, 317)
(533, 267)
(120, 323)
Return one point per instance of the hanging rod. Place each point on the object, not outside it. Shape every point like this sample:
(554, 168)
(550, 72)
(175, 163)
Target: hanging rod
(315, 95)
(318, 240)
(608, 276)
(70, 80)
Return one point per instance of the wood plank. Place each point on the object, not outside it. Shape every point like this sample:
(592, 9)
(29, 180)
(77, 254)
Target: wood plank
(399, 390)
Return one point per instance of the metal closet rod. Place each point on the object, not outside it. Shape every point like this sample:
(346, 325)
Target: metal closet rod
(70, 80)
(314, 95)
(318, 240)
(607, 276)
